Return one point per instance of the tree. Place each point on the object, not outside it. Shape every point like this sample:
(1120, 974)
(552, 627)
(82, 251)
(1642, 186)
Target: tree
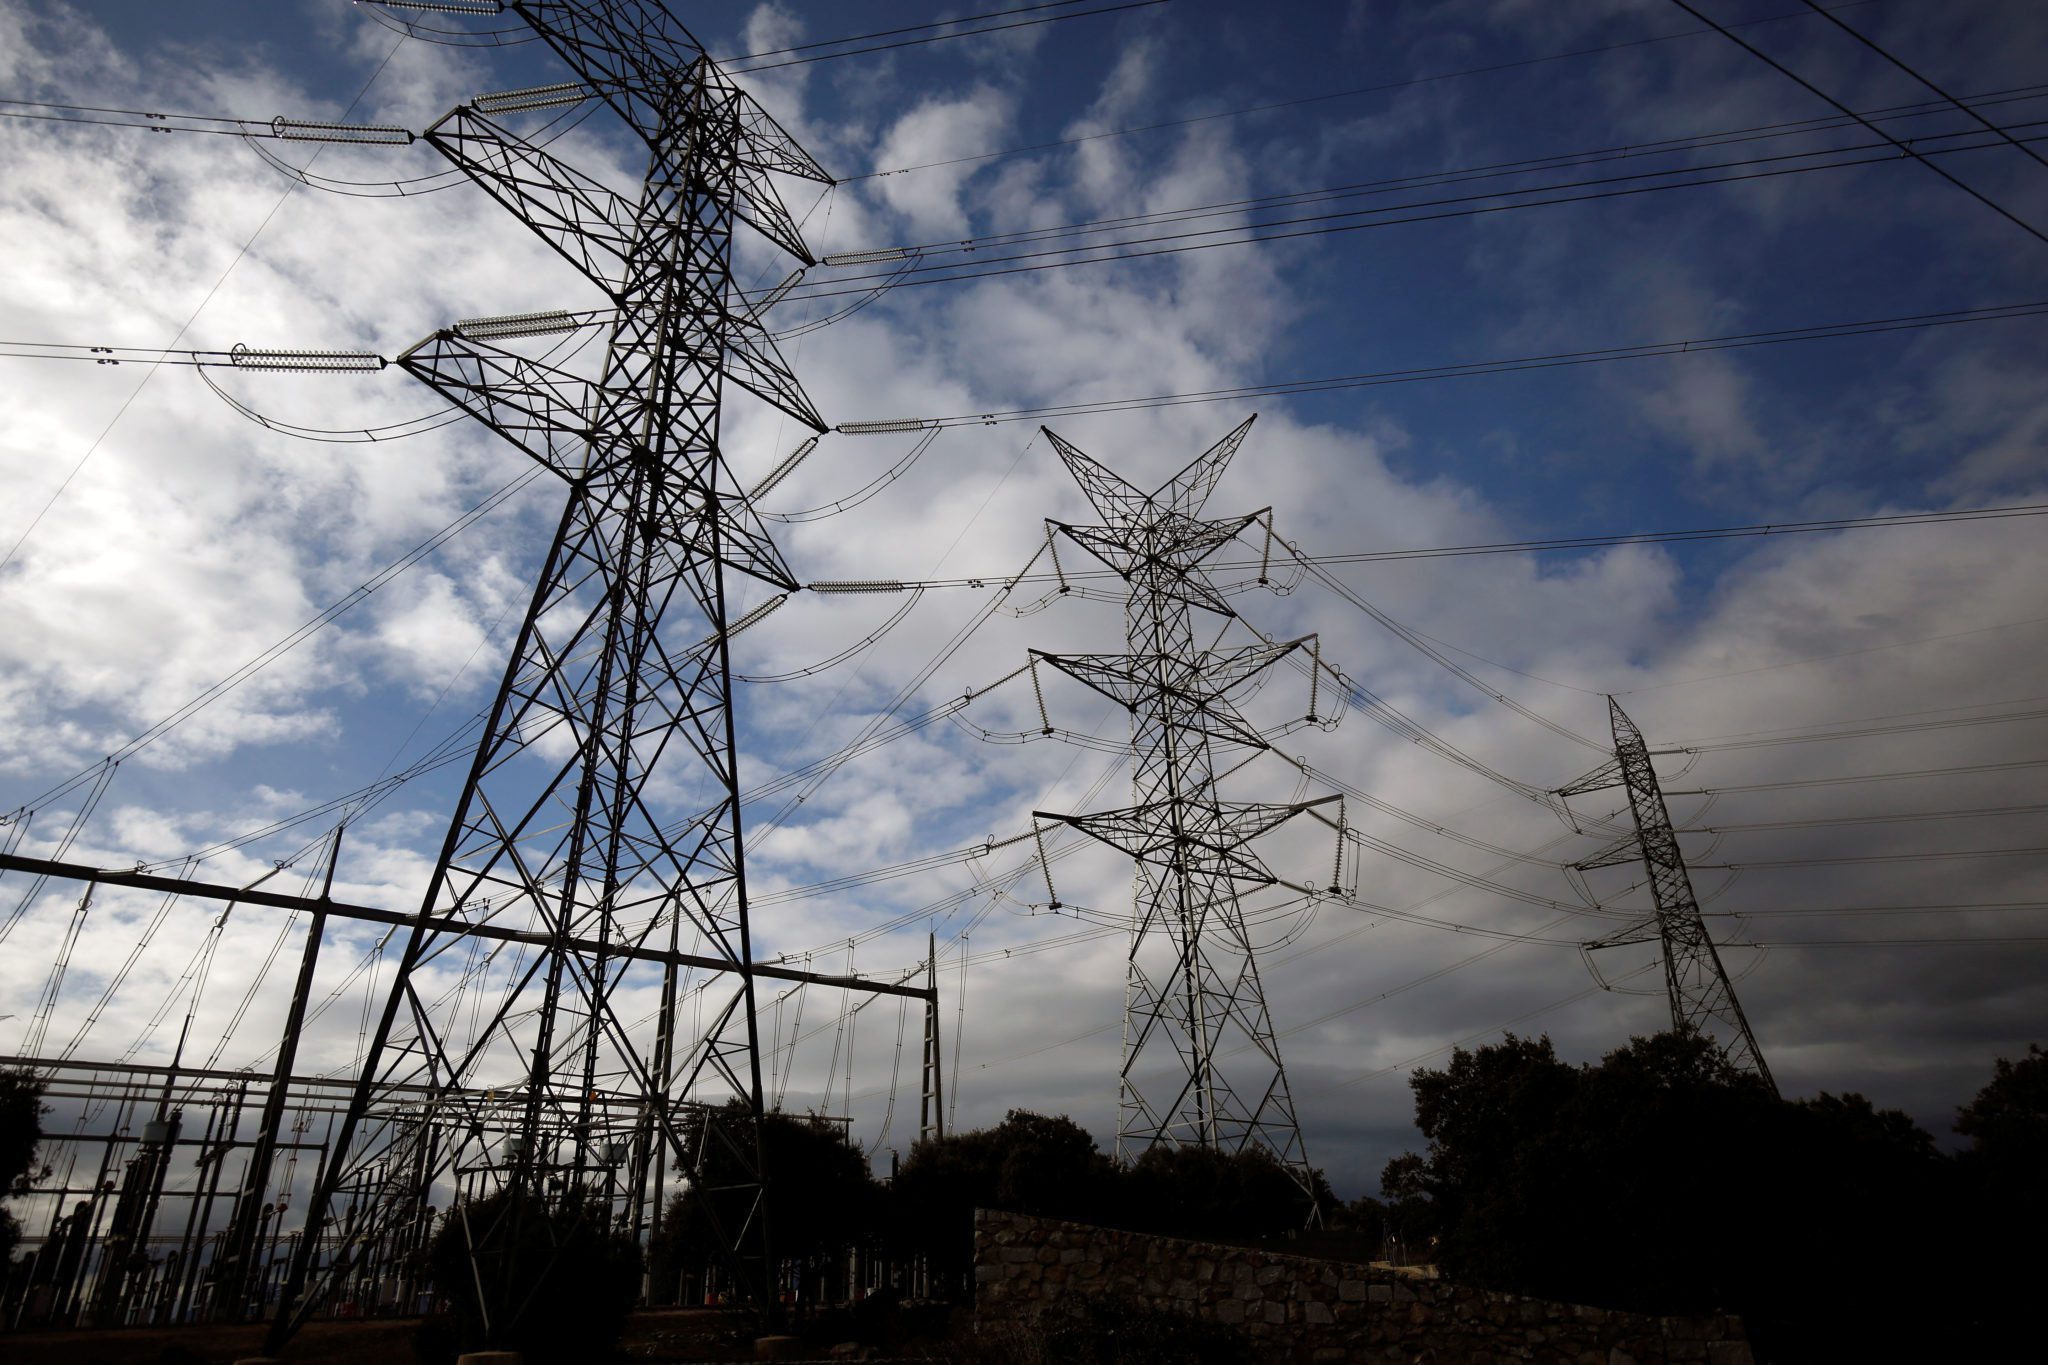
(2007, 1122)
(2003, 1177)
(1663, 1181)
(1200, 1192)
(820, 1199)
(21, 1129)
(1029, 1163)
(546, 1277)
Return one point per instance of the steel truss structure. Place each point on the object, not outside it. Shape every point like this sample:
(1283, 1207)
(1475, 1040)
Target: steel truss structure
(593, 875)
(1192, 990)
(1701, 997)
(616, 704)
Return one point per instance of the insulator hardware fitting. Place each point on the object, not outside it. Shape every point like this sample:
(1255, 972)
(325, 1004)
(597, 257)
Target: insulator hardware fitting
(892, 253)
(512, 325)
(306, 130)
(448, 6)
(532, 97)
(246, 358)
(883, 428)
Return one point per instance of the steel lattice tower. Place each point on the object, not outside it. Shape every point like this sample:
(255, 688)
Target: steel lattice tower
(620, 672)
(1192, 990)
(1701, 997)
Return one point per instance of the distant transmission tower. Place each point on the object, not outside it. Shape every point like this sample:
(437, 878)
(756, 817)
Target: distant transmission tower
(1702, 999)
(620, 674)
(1192, 990)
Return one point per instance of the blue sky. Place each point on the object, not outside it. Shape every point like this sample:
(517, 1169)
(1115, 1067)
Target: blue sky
(192, 539)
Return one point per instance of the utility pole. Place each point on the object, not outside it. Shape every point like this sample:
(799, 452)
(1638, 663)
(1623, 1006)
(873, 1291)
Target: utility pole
(621, 669)
(1192, 989)
(1701, 996)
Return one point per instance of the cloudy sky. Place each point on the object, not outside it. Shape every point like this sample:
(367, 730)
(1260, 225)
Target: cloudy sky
(1511, 179)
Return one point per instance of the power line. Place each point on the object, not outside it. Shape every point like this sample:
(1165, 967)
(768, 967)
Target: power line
(1339, 222)
(938, 37)
(1333, 95)
(1485, 1032)
(150, 373)
(1864, 732)
(2004, 941)
(1957, 907)
(1468, 369)
(1626, 151)
(1830, 822)
(1865, 777)
(1870, 43)
(728, 62)
(1558, 544)
(1905, 148)
(1336, 224)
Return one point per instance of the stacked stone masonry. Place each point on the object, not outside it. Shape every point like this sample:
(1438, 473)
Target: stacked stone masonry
(1297, 1309)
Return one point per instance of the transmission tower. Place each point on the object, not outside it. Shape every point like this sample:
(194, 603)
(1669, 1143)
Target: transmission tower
(1702, 999)
(616, 702)
(1192, 990)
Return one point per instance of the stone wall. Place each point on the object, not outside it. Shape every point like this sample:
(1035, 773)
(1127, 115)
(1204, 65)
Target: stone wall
(1295, 1308)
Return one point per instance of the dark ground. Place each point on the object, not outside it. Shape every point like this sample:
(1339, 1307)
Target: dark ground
(655, 1337)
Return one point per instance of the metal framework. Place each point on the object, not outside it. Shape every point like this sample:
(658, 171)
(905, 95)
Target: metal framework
(1701, 997)
(1192, 990)
(615, 710)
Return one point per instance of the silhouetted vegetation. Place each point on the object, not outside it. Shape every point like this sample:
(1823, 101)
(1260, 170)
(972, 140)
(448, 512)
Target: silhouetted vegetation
(1050, 1167)
(21, 1128)
(545, 1277)
(1661, 1180)
(821, 1202)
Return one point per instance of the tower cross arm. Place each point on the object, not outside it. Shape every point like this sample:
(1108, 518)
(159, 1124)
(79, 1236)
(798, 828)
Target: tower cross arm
(640, 58)
(542, 410)
(590, 225)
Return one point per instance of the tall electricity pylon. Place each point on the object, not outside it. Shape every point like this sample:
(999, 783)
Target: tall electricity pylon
(1192, 990)
(1702, 999)
(616, 703)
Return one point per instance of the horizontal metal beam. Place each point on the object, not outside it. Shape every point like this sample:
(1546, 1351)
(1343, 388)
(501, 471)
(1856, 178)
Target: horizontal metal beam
(235, 895)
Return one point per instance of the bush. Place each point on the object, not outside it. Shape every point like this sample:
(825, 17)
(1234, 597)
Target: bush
(549, 1279)
(1202, 1193)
